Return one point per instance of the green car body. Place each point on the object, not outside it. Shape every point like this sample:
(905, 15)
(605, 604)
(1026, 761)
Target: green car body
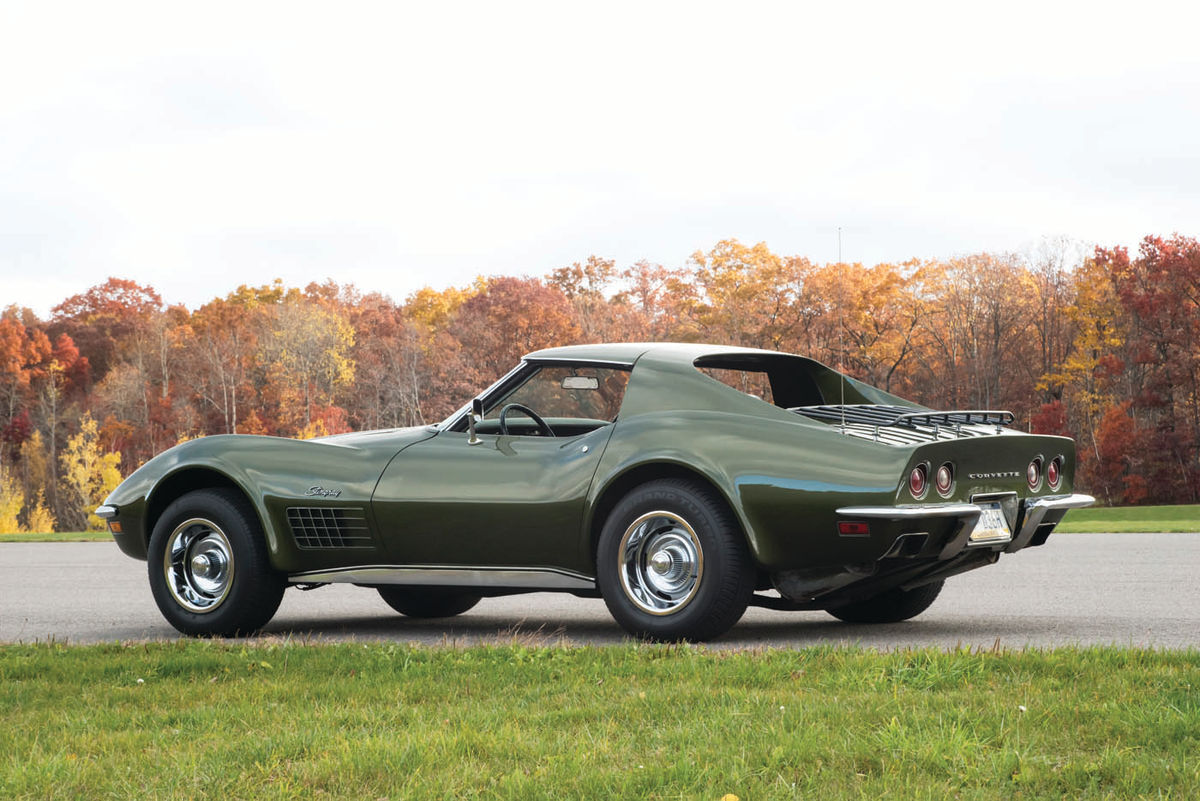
(815, 485)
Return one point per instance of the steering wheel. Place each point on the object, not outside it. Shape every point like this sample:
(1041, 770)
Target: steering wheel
(543, 427)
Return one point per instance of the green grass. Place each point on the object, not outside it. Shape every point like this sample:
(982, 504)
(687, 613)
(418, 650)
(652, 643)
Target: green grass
(1132, 518)
(59, 536)
(212, 720)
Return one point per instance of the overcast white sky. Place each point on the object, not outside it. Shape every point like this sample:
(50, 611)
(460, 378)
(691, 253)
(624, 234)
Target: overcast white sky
(195, 147)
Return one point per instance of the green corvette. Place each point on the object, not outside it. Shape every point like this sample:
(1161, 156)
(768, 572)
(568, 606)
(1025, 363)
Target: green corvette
(680, 483)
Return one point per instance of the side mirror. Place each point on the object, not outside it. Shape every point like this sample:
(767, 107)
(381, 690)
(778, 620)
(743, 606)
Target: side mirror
(476, 412)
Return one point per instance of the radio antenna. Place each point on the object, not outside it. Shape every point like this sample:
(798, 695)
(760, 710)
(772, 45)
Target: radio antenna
(841, 331)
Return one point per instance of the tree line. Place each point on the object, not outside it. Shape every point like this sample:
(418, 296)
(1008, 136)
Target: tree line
(1103, 347)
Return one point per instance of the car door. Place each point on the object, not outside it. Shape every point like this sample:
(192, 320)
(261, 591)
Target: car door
(512, 499)
(516, 501)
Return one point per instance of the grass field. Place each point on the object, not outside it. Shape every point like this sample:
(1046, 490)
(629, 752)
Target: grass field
(59, 536)
(212, 720)
(1078, 521)
(1132, 518)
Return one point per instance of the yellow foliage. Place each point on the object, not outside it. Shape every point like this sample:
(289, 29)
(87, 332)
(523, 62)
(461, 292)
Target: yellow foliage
(35, 463)
(12, 500)
(41, 519)
(433, 309)
(87, 474)
(748, 295)
(313, 430)
(252, 297)
(1095, 312)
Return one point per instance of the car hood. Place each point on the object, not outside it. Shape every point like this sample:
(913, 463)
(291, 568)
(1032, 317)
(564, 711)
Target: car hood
(371, 439)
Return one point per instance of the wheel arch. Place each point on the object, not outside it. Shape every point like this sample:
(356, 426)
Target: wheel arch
(621, 484)
(189, 479)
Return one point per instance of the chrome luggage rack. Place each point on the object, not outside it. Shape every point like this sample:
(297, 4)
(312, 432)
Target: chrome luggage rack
(899, 425)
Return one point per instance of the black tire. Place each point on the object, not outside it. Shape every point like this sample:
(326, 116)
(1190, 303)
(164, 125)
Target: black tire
(232, 591)
(701, 585)
(427, 602)
(891, 606)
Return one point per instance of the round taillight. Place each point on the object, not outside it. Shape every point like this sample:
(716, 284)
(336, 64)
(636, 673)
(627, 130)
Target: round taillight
(1054, 473)
(1033, 474)
(918, 481)
(944, 479)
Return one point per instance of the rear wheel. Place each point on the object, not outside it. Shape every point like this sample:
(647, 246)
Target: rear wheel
(209, 570)
(891, 606)
(427, 602)
(672, 563)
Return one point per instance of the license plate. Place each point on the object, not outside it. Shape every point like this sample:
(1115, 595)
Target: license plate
(992, 525)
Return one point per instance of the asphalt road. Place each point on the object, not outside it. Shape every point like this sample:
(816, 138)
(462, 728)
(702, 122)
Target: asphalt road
(1124, 589)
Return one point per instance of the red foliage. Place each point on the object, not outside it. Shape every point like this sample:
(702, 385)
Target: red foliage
(333, 418)
(1118, 440)
(18, 429)
(104, 316)
(1051, 418)
(510, 318)
(1160, 289)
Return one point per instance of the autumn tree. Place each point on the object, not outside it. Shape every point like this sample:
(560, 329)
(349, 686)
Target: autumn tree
(1053, 278)
(308, 351)
(1160, 292)
(1084, 376)
(499, 325)
(660, 301)
(392, 379)
(25, 354)
(22, 490)
(1118, 476)
(88, 476)
(37, 481)
(220, 356)
(12, 502)
(60, 390)
(867, 320)
(977, 327)
(748, 295)
(104, 317)
(38, 517)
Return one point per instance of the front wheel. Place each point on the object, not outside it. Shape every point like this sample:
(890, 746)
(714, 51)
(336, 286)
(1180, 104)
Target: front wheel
(672, 563)
(891, 606)
(209, 570)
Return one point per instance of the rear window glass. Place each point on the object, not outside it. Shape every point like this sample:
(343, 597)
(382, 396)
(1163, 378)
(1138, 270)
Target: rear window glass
(752, 382)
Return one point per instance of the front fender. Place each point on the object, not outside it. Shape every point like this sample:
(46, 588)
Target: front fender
(273, 473)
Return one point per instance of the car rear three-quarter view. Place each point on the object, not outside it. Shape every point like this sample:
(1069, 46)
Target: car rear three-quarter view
(681, 483)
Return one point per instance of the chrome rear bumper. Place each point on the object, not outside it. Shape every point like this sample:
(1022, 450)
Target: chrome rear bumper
(1033, 512)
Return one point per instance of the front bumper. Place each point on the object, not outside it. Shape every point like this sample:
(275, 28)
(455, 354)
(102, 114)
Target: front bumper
(124, 523)
(1034, 519)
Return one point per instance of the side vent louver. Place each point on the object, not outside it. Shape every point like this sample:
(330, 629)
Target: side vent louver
(329, 527)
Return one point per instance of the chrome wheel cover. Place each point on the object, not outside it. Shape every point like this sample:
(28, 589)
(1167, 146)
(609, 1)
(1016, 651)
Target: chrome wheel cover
(661, 562)
(198, 565)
